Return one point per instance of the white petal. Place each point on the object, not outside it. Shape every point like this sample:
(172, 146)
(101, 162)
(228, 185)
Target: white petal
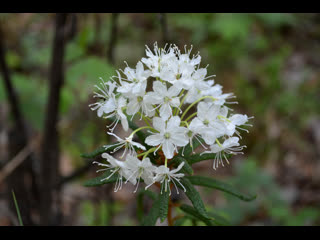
(133, 107)
(173, 123)
(138, 145)
(165, 111)
(154, 140)
(175, 102)
(231, 142)
(168, 149)
(160, 88)
(153, 98)
(173, 91)
(238, 119)
(159, 124)
(179, 139)
(124, 123)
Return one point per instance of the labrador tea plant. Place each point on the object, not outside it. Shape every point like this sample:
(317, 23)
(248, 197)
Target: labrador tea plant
(172, 108)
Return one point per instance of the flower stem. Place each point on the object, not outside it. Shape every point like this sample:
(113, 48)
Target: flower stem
(145, 154)
(141, 128)
(190, 116)
(218, 143)
(191, 105)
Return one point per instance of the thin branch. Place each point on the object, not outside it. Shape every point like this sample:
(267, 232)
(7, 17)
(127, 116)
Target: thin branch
(18, 159)
(164, 27)
(10, 91)
(113, 37)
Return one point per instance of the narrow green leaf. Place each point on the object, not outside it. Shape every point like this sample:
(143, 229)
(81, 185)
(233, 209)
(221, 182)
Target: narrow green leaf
(17, 208)
(100, 150)
(219, 220)
(180, 221)
(140, 197)
(98, 181)
(198, 158)
(153, 215)
(193, 212)
(164, 204)
(212, 183)
(140, 212)
(177, 160)
(194, 197)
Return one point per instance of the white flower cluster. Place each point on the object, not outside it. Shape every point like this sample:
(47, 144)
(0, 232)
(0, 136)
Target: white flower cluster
(178, 85)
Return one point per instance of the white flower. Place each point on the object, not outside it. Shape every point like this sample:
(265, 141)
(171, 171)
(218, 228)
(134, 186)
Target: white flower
(119, 115)
(165, 98)
(127, 143)
(169, 137)
(197, 84)
(139, 169)
(157, 61)
(107, 95)
(229, 146)
(177, 73)
(165, 176)
(216, 92)
(135, 81)
(207, 123)
(194, 132)
(137, 102)
(116, 167)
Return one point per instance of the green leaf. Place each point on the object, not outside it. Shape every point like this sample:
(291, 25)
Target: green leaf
(140, 197)
(177, 160)
(194, 213)
(219, 220)
(98, 181)
(17, 208)
(194, 197)
(180, 221)
(153, 215)
(99, 151)
(164, 204)
(212, 183)
(198, 158)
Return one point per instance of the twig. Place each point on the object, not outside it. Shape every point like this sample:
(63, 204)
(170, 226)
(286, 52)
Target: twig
(164, 27)
(18, 159)
(113, 37)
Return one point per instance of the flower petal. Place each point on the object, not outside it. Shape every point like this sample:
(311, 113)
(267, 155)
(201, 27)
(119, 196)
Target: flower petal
(154, 140)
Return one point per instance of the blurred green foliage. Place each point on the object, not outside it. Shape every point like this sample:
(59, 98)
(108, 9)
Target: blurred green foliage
(253, 55)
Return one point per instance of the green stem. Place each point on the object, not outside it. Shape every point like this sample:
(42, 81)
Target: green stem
(218, 143)
(141, 128)
(145, 154)
(192, 115)
(191, 105)
(220, 116)
(185, 123)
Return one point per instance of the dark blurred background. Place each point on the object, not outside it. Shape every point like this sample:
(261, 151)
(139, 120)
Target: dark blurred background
(49, 64)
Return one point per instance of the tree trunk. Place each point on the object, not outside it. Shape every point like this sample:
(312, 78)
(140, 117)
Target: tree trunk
(49, 207)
